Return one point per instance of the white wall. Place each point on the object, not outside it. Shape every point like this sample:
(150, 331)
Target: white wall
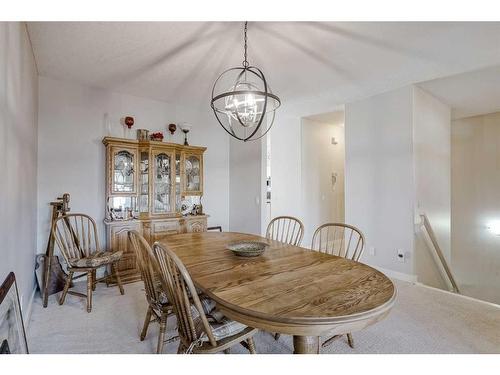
(475, 176)
(432, 153)
(286, 163)
(398, 166)
(321, 201)
(380, 191)
(383, 173)
(245, 186)
(18, 150)
(379, 186)
(248, 176)
(71, 154)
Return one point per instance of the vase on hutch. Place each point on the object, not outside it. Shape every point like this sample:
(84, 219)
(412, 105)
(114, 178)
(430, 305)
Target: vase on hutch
(128, 122)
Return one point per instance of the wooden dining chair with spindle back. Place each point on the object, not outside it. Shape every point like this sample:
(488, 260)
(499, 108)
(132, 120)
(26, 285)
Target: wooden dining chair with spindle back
(217, 228)
(341, 240)
(286, 229)
(199, 332)
(159, 307)
(76, 237)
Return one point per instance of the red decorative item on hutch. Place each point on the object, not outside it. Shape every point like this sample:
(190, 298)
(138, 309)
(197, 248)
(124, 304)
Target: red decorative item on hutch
(158, 136)
(129, 121)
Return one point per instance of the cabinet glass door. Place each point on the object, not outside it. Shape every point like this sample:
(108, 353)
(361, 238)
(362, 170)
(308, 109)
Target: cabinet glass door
(177, 182)
(162, 183)
(192, 170)
(123, 172)
(144, 182)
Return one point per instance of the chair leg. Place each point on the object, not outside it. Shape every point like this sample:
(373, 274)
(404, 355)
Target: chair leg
(330, 341)
(146, 324)
(277, 336)
(118, 280)
(350, 340)
(108, 272)
(181, 349)
(66, 287)
(89, 291)
(94, 278)
(251, 345)
(163, 329)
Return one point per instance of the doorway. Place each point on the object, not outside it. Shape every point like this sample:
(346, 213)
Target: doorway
(322, 171)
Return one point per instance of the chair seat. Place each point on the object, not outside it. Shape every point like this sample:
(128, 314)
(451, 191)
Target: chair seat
(225, 328)
(222, 327)
(96, 259)
(207, 303)
(163, 299)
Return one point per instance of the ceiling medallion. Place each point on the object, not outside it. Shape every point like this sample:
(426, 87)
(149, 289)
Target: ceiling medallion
(247, 109)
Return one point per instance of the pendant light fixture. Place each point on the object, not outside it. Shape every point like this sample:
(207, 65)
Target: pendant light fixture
(243, 102)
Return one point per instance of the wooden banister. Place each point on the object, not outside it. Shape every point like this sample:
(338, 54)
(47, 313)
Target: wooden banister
(439, 253)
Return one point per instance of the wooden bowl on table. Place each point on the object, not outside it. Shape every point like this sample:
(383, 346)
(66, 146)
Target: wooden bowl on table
(247, 248)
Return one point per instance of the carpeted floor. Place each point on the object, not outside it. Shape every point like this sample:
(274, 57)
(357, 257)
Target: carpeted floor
(423, 320)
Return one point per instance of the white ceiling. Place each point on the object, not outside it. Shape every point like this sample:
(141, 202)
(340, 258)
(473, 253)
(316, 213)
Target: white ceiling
(468, 94)
(335, 117)
(179, 61)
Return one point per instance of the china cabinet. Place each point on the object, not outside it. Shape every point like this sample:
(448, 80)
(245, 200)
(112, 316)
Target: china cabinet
(154, 188)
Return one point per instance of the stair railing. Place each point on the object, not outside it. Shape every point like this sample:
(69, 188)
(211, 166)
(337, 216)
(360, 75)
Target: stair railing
(432, 236)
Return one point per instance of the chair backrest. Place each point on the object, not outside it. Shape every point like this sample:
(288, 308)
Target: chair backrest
(152, 284)
(339, 239)
(76, 236)
(286, 229)
(192, 322)
(218, 228)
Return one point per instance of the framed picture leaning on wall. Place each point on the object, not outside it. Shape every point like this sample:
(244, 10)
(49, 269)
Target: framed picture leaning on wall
(12, 334)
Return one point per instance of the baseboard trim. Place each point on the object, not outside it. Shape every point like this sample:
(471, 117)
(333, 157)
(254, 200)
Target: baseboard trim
(397, 275)
(29, 309)
(458, 295)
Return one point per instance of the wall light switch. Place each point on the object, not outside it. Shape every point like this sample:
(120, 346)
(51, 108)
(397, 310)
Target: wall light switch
(371, 251)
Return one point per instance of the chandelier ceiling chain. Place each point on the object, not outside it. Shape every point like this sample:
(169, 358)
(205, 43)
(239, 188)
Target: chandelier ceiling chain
(245, 61)
(246, 110)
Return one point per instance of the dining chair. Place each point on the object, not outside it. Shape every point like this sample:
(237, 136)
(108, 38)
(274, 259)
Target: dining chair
(76, 237)
(199, 332)
(341, 240)
(286, 229)
(158, 305)
(217, 228)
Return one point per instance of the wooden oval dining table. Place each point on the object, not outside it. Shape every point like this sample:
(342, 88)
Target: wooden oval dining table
(288, 289)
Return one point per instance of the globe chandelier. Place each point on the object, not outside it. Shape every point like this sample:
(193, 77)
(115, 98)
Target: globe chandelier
(243, 102)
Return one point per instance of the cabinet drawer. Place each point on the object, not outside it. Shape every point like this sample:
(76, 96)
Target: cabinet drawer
(166, 227)
(162, 229)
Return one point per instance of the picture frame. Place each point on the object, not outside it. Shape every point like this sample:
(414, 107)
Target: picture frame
(12, 333)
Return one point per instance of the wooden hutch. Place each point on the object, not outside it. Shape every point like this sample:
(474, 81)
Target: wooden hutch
(154, 188)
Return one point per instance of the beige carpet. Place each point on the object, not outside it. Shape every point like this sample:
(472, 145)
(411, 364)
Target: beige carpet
(423, 320)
